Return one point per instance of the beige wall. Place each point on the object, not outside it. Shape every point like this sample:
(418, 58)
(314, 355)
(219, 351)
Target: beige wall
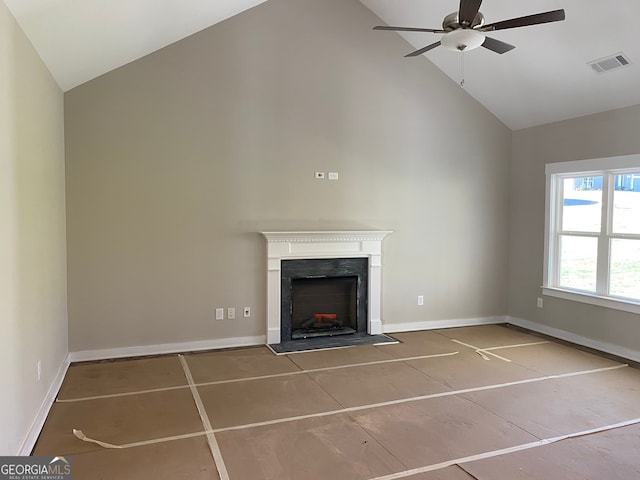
(32, 240)
(175, 161)
(604, 135)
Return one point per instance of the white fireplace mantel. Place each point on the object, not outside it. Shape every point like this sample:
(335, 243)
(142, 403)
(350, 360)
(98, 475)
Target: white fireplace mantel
(309, 245)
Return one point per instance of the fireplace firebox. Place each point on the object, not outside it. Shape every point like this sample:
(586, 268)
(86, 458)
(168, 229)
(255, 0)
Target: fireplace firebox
(323, 297)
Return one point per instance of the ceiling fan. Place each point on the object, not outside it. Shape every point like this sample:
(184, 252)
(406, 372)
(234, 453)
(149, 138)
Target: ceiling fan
(465, 29)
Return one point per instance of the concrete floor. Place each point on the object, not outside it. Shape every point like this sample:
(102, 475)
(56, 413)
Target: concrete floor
(486, 402)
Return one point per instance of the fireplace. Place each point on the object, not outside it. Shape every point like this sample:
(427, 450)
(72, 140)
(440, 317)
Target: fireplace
(323, 297)
(331, 246)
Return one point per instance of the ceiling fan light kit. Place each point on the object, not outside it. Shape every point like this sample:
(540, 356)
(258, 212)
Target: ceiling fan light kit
(462, 40)
(465, 29)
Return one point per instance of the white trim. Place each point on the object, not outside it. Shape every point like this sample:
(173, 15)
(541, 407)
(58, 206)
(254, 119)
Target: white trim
(437, 324)
(327, 244)
(307, 237)
(550, 219)
(593, 165)
(618, 350)
(593, 299)
(141, 351)
(556, 174)
(30, 439)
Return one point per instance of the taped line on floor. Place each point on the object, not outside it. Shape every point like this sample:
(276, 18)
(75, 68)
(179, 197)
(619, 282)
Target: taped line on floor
(80, 435)
(414, 399)
(483, 352)
(359, 408)
(124, 394)
(206, 423)
(505, 451)
(515, 346)
(480, 351)
(261, 377)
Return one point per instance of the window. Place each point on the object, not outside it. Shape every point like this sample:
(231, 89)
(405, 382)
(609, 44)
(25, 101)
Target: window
(592, 251)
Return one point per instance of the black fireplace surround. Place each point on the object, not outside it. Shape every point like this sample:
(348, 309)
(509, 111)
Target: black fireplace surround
(323, 297)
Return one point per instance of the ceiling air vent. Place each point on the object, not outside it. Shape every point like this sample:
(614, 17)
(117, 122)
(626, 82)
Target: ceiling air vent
(610, 63)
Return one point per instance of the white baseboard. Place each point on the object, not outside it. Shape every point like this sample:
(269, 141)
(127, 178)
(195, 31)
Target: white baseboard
(577, 339)
(38, 422)
(435, 324)
(141, 351)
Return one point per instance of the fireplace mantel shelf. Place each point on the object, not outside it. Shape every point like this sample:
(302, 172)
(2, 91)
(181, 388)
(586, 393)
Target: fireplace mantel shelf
(323, 244)
(326, 236)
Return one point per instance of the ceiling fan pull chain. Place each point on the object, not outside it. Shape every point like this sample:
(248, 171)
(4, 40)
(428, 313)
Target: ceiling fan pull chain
(462, 69)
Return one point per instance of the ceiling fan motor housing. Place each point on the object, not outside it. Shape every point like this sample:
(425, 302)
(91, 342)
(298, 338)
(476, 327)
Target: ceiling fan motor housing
(452, 22)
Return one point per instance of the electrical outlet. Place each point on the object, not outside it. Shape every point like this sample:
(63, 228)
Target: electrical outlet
(219, 313)
(540, 302)
(246, 312)
(231, 313)
(420, 300)
(39, 369)
(334, 176)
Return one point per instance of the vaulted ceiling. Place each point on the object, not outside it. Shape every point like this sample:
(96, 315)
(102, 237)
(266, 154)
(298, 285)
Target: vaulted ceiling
(547, 76)
(544, 79)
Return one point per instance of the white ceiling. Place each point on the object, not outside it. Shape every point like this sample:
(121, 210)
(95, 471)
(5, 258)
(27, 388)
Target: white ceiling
(546, 78)
(81, 39)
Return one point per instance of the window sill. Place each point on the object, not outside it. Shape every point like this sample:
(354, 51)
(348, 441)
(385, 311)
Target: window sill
(593, 299)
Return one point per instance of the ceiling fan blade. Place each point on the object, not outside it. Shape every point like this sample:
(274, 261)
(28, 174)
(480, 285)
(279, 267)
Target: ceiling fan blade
(497, 45)
(407, 29)
(422, 50)
(468, 11)
(547, 17)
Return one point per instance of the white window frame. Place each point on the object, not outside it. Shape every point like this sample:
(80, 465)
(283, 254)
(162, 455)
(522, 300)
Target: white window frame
(555, 175)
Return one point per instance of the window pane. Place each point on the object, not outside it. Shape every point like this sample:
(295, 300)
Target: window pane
(578, 262)
(626, 203)
(582, 204)
(625, 268)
